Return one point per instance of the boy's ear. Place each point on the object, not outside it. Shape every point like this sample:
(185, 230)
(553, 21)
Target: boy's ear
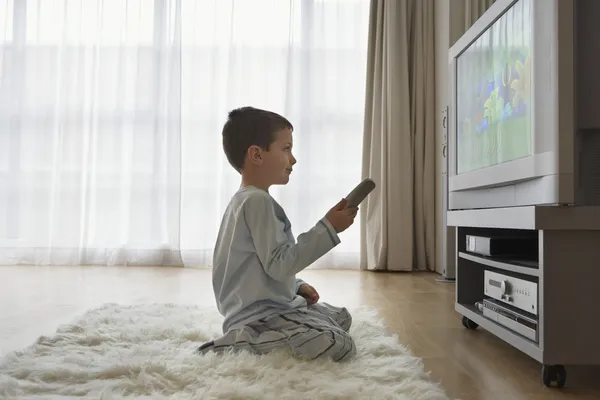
(255, 155)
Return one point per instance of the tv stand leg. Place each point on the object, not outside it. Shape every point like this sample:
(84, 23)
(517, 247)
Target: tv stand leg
(467, 323)
(554, 373)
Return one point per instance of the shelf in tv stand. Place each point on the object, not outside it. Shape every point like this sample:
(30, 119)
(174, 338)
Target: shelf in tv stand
(513, 265)
(567, 276)
(550, 217)
(523, 344)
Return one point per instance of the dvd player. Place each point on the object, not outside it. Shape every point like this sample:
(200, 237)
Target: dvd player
(516, 292)
(511, 319)
(502, 246)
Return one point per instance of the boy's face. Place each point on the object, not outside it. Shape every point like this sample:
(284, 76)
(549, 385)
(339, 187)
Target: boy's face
(279, 160)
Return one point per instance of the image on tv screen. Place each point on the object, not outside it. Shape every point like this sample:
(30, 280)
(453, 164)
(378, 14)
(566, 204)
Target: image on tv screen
(493, 96)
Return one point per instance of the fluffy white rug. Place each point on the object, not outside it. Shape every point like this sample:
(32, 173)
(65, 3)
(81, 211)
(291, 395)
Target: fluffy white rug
(147, 352)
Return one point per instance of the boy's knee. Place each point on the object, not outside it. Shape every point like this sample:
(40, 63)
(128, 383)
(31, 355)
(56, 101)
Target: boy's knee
(346, 348)
(336, 345)
(345, 320)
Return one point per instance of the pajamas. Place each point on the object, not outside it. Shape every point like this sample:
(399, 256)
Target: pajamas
(257, 257)
(319, 331)
(255, 263)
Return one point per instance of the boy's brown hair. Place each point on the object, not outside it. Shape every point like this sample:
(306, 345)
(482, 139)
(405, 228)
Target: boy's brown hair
(249, 126)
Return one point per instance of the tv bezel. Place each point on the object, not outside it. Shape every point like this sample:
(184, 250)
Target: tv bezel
(554, 18)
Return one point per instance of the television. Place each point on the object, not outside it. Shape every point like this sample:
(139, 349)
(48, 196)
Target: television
(523, 113)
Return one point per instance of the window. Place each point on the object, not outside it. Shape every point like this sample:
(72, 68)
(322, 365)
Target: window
(114, 108)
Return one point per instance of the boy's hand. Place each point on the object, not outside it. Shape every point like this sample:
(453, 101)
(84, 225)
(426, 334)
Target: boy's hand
(309, 293)
(341, 217)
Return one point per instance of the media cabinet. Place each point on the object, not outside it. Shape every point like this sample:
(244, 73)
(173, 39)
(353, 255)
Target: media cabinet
(566, 270)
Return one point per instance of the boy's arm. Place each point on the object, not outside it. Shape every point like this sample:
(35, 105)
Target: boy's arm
(280, 261)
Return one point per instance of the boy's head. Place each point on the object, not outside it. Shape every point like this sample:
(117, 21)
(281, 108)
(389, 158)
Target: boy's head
(259, 143)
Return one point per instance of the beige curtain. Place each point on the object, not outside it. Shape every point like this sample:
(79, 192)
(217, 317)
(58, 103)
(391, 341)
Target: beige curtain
(474, 9)
(398, 219)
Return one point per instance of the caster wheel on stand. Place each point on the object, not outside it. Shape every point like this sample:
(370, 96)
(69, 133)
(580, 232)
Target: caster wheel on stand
(554, 373)
(467, 323)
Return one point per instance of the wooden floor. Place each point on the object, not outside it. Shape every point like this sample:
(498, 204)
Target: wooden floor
(469, 364)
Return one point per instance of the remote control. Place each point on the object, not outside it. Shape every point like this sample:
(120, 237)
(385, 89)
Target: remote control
(360, 192)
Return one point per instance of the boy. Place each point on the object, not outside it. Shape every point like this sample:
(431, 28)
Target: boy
(256, 256)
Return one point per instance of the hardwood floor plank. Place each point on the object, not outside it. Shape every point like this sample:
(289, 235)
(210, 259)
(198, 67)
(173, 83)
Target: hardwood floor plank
(474, 365)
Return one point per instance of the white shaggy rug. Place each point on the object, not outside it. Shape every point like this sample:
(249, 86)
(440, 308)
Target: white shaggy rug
(147, 352)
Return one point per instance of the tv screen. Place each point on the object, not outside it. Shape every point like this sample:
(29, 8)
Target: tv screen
(493, 93)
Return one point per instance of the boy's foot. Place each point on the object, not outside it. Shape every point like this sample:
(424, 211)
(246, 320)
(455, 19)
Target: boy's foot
(205, 346)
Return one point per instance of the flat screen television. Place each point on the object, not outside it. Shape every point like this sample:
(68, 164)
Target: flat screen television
(523, 127)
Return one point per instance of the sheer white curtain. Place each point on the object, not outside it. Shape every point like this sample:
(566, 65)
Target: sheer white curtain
(111, 111)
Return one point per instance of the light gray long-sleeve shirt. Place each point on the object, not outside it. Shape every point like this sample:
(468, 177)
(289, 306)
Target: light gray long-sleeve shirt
(256, 258)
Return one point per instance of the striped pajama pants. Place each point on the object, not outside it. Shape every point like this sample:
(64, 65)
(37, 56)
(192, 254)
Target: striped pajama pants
(319, 331)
